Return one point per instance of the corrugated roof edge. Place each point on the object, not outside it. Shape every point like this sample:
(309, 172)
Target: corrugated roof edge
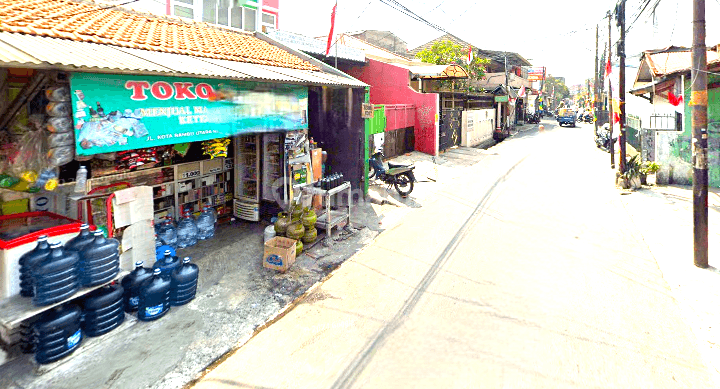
(322, 65)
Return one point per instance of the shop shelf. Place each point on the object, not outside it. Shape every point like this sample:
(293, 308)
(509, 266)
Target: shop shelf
(15, 309)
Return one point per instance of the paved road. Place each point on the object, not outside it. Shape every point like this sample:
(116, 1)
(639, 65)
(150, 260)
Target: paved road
(523, 275)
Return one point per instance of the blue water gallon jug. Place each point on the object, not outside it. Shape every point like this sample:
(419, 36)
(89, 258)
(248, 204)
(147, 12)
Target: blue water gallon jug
(56, 277)
(206, 223)
(84, 238)
(99, 260)
(154, 300)
(131, 285)
(57, 333)
(168, 233)
(167, 263)
(184, 283)
(103, 310)
(187, 231)
(28, 262)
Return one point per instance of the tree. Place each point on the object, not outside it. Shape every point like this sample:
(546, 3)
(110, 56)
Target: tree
(558, 85)
(449, 53)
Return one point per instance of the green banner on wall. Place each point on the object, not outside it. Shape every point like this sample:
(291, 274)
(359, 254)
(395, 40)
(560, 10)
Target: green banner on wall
(126, 112)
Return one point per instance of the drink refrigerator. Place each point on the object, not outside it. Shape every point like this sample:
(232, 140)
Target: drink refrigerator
(246, 204)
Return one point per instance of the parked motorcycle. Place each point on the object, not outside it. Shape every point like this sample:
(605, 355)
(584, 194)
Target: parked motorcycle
(399, 175)
(602, 139)
(533, 118)
(587, 117)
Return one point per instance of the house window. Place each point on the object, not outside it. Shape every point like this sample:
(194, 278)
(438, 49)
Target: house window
(208, 11)
(184, 12)
(222, 12)
(236, 17)
(249, 19)
(268, 19)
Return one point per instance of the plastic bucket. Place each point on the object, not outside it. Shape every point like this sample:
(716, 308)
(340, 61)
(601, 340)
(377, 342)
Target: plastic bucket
(269, 232)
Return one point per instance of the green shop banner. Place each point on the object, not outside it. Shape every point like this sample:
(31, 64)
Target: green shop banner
(125, 112)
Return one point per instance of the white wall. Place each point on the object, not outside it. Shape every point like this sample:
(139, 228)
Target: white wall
(477, 127)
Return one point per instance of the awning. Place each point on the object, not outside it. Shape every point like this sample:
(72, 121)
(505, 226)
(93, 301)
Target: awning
(439, 72)
(21, 50)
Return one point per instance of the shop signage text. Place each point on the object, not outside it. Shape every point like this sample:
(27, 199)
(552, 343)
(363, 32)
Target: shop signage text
(125, 112)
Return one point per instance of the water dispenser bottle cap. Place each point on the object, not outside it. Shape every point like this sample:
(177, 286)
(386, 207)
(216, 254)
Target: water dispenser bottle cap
(55, 245)
(138, 264)
(168, 252)
(97, 232)
(157, 271)
(84, 226)
(42, 237)
(186, 260)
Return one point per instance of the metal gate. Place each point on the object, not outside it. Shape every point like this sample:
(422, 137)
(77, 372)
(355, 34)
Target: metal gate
(450, 128)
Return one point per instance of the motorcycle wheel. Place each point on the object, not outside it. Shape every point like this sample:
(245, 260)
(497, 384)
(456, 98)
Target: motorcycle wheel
(372, 173)
(404, 184)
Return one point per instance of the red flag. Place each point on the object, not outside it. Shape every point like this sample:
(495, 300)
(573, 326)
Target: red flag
(521, 93)
(608, 67)
(332, 27)
(674, 100)
(470, 54)
(616, 118)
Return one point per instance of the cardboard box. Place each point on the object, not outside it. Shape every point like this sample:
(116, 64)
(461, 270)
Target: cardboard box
(279, 253)
(215, 165)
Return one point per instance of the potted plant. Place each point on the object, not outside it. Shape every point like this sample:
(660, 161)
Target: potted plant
(630, 179)
(650, 170)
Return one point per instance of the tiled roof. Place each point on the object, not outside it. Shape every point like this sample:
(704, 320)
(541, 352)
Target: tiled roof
(89, 22)
(675, 60)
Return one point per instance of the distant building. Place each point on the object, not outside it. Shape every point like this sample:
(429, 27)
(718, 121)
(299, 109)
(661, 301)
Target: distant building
(384, 39)
(240, 14)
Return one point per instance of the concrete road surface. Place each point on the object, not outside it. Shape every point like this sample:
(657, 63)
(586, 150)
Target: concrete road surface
(523, 273)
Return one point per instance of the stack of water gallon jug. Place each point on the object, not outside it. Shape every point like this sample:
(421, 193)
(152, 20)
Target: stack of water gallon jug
(187, 232)
(51, 273)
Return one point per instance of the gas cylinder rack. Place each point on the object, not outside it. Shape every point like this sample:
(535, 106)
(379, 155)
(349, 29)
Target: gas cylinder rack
(332, 218)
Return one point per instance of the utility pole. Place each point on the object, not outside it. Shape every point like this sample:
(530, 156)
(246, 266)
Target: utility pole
(610, 110)
(698, 106)
(595, 91)
(621, 87)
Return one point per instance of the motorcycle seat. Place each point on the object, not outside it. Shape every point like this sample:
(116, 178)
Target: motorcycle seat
(392, 165)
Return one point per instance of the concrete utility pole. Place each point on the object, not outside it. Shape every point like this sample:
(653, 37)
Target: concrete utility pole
(621, 87)
(610, 110)
(698, 106)
(595, 91)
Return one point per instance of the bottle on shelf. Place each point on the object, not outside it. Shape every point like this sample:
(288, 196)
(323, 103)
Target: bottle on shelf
(56, 277)
(103, 310)
(57, 333)
(81, 180)
(81, 240)
(28, 261)
(99, 260)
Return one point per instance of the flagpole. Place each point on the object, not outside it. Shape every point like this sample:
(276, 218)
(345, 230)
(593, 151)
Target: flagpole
(336, 43)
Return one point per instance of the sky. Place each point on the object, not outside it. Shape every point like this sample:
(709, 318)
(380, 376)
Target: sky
(559, 35)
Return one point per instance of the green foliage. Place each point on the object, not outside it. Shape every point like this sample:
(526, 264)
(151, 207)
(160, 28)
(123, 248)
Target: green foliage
(633, 168)
(448, 53)
(561, 90)
(650, 167)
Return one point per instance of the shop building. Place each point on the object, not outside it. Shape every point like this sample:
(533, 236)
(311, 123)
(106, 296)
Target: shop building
(197, 115)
